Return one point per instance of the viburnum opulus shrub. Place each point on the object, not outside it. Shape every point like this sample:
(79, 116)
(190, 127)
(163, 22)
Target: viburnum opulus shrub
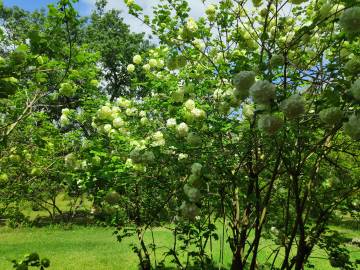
(253, 108)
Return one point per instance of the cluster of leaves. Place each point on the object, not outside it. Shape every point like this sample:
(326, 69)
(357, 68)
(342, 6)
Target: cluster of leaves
(31, 260)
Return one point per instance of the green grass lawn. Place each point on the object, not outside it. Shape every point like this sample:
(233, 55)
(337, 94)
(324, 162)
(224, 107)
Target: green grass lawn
(95, 248)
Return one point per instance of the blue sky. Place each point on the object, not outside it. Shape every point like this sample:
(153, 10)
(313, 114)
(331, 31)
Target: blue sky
(37, 4)
(84, 7)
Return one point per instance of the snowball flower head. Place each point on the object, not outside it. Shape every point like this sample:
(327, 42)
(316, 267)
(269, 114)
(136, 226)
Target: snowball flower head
(64, 120)
(196, 168)
(130, 68)
(146, 67)
(353, 66)
(191, 25)
(355, 89)
(153, 62)
(65, 111)
(269, 123)
(350, 20)
(144, 120)
(148, 156)
(192, 193)
(171, 122)
(158, 139)
(263, 92)
(198, 113)
(277, 60)
(182, 129)
(189, 210)
(331, 116)
(248, 111)
(182, 156)
(122, 102)
(217, 94)
(107, 128)
(137, 59)
(105, 112)
(352, 127)
(210, 10)
(293, 106)
(243, 81)
(117, 122)
(189, 104)
(131, 111)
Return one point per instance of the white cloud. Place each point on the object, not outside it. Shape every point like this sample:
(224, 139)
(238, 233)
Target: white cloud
(197, 10)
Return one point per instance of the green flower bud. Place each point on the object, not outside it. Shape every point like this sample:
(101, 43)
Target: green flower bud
(352, 127)
(355, 89)
(331, 116)
(148, 157)
(192, 193)
(352, 66)
(177, 96)
(189, 210)
(193, 139)
(277, 60)
(112, 197)
(67, 89)
(350, 20)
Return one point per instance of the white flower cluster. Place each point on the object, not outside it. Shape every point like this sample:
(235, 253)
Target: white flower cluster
(263, 92)
(64, 118)
(182, 156)
(352, 127)
(242, 82)
(269, 123)
(182, 129)
(191, 190)
(331, 116)
(355, 89)
(350, 20)
(123, 102)
(171, 123)
(137, 59)
(138, 156)
(248, 111)
(191, 25)
(158, 139)
(195, 113)
(293, 106)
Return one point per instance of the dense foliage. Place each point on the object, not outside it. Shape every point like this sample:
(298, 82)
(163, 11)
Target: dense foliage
(246, 118)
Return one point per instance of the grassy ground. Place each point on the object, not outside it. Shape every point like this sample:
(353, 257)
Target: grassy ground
(95, 248)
